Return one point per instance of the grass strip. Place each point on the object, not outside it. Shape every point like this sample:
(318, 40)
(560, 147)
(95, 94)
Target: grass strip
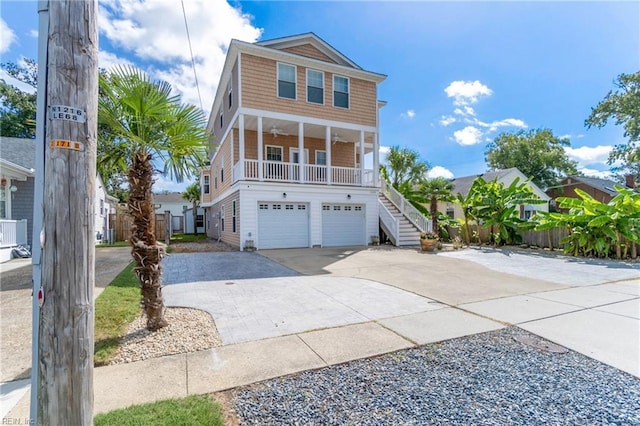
(187, 238)
(116, 307)
(192, 410)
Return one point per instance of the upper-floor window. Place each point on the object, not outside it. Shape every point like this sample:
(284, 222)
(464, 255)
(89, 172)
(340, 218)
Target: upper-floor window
(274, 153)
(206, 184)
(340, 91)
(315, 86)
(230, 93)
(222, 169)
(286, 81)
(221, 117)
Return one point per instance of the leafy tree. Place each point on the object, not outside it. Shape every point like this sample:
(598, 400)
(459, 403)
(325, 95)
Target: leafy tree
(537, 153)
(18, 108)
(192, 194)
(404, 167)
(623, 106)
(434, 190)
(150, 126)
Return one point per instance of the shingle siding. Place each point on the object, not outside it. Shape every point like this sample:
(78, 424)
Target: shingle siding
(22, 204)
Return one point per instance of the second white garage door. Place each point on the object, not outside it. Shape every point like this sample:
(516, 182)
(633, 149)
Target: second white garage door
(283, 225)
(343, 225)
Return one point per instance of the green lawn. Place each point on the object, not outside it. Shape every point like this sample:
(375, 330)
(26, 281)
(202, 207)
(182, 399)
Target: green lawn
(116, 307)
(115, 244)
(192, 410)
(187, 238)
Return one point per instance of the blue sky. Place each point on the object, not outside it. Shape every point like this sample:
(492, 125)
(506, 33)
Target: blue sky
(459, 73)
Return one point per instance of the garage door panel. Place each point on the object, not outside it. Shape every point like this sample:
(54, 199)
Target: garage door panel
(283, 225)
(343, 225)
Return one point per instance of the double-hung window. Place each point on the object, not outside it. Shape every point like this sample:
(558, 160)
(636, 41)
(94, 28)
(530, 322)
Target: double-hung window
(221, 117)
(315, 87)
(340, 91)
(286, 81)
(274, 153)
(230, 94)
(206, 184)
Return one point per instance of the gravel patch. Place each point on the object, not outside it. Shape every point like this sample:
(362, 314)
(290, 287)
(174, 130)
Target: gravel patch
(488, 379)
(189, 330)
(202, 246)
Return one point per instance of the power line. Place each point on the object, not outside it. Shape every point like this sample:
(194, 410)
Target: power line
(193, 62)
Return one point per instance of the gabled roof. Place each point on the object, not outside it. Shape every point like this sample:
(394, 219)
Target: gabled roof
(463, 184)
(604, 185)
(170, 197)
(313, 40)
(18, 151)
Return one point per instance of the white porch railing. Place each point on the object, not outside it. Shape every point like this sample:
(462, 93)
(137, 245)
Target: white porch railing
(279, 171)
(390, 222)
(13, 232)
(406, 208)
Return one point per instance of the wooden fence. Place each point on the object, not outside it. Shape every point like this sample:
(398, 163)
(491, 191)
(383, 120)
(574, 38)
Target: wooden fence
(122, 223)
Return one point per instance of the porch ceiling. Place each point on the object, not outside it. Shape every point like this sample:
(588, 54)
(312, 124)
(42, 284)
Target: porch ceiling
(272, 126)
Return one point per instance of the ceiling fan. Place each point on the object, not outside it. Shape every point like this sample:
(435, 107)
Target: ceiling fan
(277, 132)
(337, 138)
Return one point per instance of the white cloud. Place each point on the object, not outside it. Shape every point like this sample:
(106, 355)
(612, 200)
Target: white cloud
(439, 171)
(107, 60)
(589, 155)
(570, 136)
(16, 83)
(7, 37)
(445, 120)
(468, 136)
(154, 32)
(33, 33)
(466, 92)
(602, 174)
(383, 151)
(411, 113)
(162, 183)
(458, 111)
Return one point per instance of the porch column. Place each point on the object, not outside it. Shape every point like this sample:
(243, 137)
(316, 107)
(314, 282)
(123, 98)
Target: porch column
(241, 145)
(361, 157)
(376, 160)
(301, 165)
(260, 150)
(327, 148)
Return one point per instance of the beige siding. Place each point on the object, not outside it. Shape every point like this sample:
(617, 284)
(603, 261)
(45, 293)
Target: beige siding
(207, 198)
(227, 235)
(259, 90)
(227, 113)
(342, 154)
(217, 185)
(309, 51)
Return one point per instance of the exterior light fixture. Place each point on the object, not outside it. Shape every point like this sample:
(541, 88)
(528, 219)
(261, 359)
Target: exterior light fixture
(284, 195)
(348, 196)
(13, 188)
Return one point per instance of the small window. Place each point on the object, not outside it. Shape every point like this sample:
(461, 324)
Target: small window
(336, 208)
(288, 207)
(286, 81)
(277, 207)
(358, 208)
(184, 208)
(222, 169)
(315, 87)
(264, 206)
(199, 221)
(449, 212)
(274, 153)
(206, 184)
(222, 218)
(302, 206)
(340, 91)
(347, 208)
(215, 182)
(230, 93)
(326, 208)
(221, 118)
(233, 216)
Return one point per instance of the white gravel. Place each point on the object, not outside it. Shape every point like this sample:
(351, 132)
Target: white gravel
(189, 330)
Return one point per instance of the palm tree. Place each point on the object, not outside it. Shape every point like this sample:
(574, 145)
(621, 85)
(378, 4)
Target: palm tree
(434, 190)
(192, 194)
(151, 127)
(404, 168)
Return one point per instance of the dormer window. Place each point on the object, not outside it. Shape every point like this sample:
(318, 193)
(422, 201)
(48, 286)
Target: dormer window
(286, 81)
(315, 87)
(340, 91)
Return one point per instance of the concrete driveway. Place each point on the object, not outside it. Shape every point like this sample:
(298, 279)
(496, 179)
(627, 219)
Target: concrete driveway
(588, 306)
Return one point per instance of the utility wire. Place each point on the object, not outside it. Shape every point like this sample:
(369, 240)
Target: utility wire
(193, 62)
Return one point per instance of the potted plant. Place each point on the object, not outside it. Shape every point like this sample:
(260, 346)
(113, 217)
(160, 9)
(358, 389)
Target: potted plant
(428, 241)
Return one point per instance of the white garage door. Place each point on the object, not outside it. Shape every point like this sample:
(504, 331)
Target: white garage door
(343, 225)
(283, 225)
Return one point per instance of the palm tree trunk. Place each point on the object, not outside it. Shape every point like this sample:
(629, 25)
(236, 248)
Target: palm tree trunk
(146, 252)
(195, 217)
(434, 215)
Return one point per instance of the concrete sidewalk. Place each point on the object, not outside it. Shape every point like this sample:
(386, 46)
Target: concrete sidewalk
(599, 320)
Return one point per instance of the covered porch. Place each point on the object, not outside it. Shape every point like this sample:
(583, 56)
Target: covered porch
(267, 148)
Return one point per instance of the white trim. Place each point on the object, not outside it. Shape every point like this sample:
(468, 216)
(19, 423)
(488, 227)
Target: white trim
(333, 92)
(239, 80)
(295, 149)
(316, 157)
(295, 82)
(307, 87)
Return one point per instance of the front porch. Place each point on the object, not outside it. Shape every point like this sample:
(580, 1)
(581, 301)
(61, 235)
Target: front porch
(267, 147)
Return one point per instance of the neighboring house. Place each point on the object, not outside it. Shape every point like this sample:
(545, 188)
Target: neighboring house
(17, 162)
(462, 185)
(17, 174)
(295, 123)
(172, 202)
(600, 189)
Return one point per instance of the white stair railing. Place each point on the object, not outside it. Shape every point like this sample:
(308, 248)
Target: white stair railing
(390, 222)
(406, 208)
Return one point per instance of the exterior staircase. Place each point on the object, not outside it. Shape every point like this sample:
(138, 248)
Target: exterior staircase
(399, 220)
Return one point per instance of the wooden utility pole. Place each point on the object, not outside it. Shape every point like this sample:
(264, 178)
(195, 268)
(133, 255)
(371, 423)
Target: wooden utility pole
(66, 320)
